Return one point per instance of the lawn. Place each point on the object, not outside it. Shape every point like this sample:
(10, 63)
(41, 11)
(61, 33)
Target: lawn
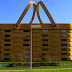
(45, 71)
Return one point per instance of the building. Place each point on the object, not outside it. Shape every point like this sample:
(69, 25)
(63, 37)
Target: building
(46, 40)
(15, 44)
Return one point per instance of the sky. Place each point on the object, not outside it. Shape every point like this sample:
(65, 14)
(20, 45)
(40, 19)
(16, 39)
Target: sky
(60, 10)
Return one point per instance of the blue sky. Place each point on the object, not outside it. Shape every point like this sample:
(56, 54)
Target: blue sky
(60, 10)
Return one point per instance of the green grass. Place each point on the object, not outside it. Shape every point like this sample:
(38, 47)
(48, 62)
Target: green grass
(13, 68)
(45, 71)
(22, 68)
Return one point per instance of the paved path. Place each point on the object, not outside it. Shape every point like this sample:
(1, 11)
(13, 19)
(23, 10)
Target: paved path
(36, 69)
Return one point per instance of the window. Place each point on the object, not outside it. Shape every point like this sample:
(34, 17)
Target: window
(44, 54)
(45, 49)
(6, 59)
(64, 35)
(7, 35)
(63, 39)
(63, 44)
(64, 59)
(26, 30)
(45, 44)
(44, 30)
(7, 49)
(45, 35)
(7, 44)
(0, 51)
(63, 53)
(6, 54)
(26, 39)
(26, 44)
(25, 35)
(43, 59)
(64, 49)
(45, 39)
(7, 30)
(7, 39)
(63, 30)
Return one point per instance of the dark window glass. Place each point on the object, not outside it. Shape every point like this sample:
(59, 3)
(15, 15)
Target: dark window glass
(63, 39)
(63, 30)
(63, 53)
(6, 59)
(7, 39)
(45, 35)
(0, 51)
(7, 44)
(6, 54)
(43, 59)
(64, 59)
(64, 49)
(26, 30)
(7, 49)
(26, 44)
(45, 49)
(7, 35)
(45, 44)
(44, 30)
(26, 39)
(45, 39)
(64, 35)
(7, 30)
(44, 54)
(63, 44)
(25, 35)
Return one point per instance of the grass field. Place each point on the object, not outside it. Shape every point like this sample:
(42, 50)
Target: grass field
(22, 68)
(45, 71)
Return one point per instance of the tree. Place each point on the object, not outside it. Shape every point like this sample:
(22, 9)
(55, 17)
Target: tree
(47, 58)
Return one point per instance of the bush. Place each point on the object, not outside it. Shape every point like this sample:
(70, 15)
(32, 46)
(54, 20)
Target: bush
(34, 64)
(12, 65)
(45, 64)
